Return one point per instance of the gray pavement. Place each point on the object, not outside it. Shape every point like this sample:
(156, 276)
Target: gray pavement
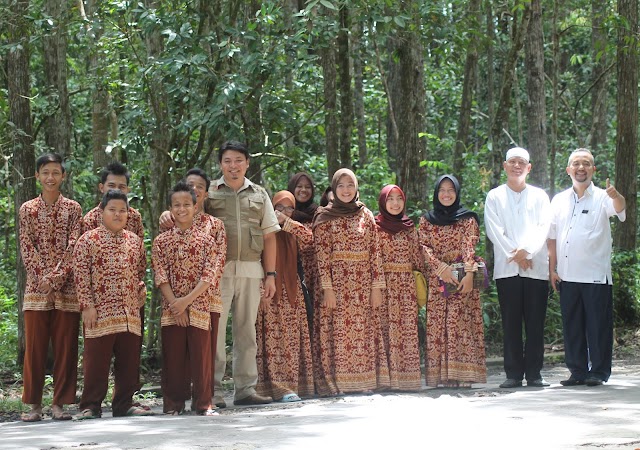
(486, 417)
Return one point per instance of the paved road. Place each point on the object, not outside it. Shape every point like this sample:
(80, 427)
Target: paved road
(606, 417)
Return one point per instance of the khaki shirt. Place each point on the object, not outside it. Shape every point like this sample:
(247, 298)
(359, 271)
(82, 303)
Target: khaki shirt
(247, 215)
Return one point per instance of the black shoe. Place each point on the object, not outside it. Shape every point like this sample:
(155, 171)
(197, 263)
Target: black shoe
(253, 399)
(540, 382)
(511, 383)
(572, 382)
(593, 381)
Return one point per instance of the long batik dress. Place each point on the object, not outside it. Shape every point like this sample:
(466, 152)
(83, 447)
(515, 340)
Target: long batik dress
(348, 339)
(455, 334)
(282, 335)
(399, 311)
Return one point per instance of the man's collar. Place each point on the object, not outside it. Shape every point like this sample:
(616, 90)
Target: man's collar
(247, 183)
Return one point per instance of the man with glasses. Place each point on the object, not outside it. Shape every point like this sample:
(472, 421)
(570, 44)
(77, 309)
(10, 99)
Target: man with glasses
(580, 268)
(517, 217)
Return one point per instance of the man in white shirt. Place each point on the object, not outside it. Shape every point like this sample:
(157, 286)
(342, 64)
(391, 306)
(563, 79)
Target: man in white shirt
(517, 217)
(580, 268)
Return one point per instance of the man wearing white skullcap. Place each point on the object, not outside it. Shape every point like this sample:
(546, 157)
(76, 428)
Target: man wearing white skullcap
(517, 218)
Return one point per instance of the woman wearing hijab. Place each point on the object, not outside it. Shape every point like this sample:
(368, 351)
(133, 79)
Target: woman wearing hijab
(285, 369)
(302, 188)
(347, 339)
(400, 249)
(455, 336)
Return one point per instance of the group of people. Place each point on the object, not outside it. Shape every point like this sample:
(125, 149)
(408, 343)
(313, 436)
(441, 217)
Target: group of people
(322, 298)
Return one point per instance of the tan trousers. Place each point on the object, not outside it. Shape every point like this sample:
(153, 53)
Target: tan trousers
(241, 296)
(62, 329)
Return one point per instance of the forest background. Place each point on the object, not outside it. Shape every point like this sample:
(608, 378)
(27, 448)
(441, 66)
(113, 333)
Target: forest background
(400, 91)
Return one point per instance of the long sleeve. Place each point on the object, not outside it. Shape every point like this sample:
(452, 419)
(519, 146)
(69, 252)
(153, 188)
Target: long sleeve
(538, 233)
(323, 242)
(417, 257)
(219, 235)
(142, 270)
(303, 235)
(158, 263)
(470, 240)
(434, 264)
(377, 271)
(33, 262)
(495, 225)
(63, 269)
(82, 273)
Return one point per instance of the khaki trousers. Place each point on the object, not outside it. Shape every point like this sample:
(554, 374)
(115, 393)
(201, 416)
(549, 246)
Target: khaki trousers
(61, 327)
(241, 296)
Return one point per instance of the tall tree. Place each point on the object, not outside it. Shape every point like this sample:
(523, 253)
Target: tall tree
(358, 77)
(627, 128)
(536, 98)
(468, 86)
(346, 95)
(600, 76)
(58, 124)
(19, 88)
(328, 61)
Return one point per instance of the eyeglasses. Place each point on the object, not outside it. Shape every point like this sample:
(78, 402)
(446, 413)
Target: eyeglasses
(282, 208)
(585, 164)
(517, 162)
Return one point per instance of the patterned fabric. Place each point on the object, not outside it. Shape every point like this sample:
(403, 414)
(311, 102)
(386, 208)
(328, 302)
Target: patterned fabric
(282, 334)
(48, 234)
(182, 259)
(347, 341)
(93, 219)
(215, 228)
(399, 311)
(455, 334)
(109, 272)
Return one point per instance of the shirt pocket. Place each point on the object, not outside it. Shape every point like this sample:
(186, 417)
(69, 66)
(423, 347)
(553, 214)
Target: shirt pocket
(256, 204)
(589, 219)
(257, 239)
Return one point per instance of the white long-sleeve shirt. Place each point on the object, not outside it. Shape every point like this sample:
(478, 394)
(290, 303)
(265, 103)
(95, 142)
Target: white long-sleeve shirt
(518, 220)
(582, 232)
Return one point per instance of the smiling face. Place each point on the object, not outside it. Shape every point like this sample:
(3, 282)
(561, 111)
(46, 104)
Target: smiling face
(581, 167)
(517, 169)
(234, 165)
(199, 185)
(346, 189)
(50, 177)
(183, 209)
(285, 207)
(447, 193)
(114, 182)
(114, 215)
(395, 202)
(303, 190)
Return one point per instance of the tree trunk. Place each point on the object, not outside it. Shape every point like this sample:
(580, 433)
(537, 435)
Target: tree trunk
(627, 128)
(469, 82)
(554, 98)
(346, 97)
(410, 107)
(19, 92)
(328, 61)
(536, 104)
(58, 123)
(599, 93)
(361, 125)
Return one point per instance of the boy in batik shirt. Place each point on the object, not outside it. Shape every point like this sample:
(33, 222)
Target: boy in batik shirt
(109, 270)
(50, 225)
(186, 270)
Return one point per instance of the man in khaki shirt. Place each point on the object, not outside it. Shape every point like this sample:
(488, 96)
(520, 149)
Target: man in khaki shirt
(250, 223)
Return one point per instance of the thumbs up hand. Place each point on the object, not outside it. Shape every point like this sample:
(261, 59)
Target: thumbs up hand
(611, 190)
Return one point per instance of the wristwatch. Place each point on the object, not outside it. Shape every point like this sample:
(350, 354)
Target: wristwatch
(271, 274)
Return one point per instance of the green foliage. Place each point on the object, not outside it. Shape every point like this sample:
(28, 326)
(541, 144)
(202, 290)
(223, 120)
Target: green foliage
(626, 288)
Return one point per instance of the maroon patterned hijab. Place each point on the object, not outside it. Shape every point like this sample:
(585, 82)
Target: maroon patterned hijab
(388, 222)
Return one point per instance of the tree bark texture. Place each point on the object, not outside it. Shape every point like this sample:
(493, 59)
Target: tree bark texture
(58, 124)
(536, 99)
(19, 92)
(358, 76)
(346, 95)
(328, 61)
(600, 77)
(627, 128)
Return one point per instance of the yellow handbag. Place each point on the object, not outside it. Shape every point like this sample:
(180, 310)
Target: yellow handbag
(421, 288)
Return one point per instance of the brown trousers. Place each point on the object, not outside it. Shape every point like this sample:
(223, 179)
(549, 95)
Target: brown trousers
(125, 347)
(215, 320)
(61, 327)
(186, 355)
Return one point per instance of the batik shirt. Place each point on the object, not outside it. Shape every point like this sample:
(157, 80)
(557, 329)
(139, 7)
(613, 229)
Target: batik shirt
(93, 219)
(48, 234)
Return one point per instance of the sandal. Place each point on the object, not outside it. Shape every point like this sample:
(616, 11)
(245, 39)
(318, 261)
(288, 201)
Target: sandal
(289, 398)
(87, 414)
(138, 411)
(62, 415)
(173, 413)
(32, 417)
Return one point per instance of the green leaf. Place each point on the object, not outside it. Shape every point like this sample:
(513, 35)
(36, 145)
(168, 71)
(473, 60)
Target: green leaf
(328, 4)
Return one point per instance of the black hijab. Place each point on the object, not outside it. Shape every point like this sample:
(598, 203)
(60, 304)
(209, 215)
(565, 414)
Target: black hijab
(448, 215)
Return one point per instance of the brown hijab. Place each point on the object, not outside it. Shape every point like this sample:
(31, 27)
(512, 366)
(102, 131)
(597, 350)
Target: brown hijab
(338, 208)
(286, 254)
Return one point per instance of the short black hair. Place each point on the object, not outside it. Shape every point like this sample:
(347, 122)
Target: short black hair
(233, 145)
(47, 158)
(201, 173)
(182, 186)
(113, 194)
(114, 168)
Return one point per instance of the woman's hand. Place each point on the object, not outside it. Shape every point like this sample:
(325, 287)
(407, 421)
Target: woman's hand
(376, 298)
(447, 276)
(329, 299)
(466, 284)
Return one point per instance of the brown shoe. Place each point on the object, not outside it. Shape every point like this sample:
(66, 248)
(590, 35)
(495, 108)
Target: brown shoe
(253, 399)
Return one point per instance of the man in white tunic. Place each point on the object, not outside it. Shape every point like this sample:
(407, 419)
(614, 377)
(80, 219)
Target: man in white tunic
(580, 268)
(517, 217)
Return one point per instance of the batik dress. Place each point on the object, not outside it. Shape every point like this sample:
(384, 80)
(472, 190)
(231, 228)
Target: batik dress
(282, 335)
(399, 311)
(455, 334)
(347, 340)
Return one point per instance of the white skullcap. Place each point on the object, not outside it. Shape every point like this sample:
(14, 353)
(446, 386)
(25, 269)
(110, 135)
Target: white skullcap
(517, 152)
